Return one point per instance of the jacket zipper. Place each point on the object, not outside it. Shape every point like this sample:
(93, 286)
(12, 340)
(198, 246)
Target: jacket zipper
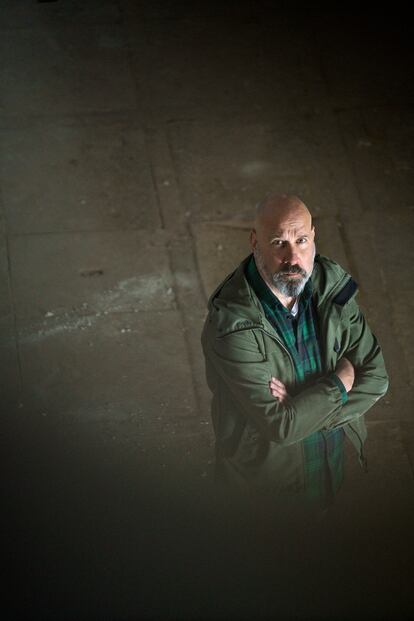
(279, 342)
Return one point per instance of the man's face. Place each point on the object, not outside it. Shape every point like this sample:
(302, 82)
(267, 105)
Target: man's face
(284, 251)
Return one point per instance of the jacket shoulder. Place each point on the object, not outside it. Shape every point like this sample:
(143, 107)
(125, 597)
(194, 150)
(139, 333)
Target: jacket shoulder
(331, 268)
(328, 276)
(233, 305)
(232, 283)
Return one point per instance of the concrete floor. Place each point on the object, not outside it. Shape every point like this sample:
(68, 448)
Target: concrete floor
(135, 139)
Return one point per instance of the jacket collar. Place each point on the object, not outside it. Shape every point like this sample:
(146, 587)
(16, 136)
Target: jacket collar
(235, 306)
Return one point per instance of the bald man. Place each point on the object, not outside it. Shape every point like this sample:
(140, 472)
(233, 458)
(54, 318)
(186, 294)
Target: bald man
(291, 363)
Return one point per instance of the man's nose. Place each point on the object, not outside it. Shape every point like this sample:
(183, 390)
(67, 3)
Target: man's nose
(290, 254)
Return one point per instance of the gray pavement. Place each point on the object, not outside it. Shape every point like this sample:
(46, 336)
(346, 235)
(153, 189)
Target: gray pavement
(135, 140)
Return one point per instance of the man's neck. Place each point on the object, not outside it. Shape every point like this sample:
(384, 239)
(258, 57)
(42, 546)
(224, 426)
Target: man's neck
(287, 302)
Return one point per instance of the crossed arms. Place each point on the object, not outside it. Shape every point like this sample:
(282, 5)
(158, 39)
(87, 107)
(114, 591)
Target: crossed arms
(344, 370)
(233, 361)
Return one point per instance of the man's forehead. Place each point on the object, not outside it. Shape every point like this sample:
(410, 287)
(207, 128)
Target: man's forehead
(295, 227)
(289, 230)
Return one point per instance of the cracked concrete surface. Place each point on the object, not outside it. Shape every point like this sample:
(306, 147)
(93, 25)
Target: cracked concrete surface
(135, 140)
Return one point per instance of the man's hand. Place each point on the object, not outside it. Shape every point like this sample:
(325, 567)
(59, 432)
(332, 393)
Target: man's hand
(346, 373)
(344, 370)
(278, 389)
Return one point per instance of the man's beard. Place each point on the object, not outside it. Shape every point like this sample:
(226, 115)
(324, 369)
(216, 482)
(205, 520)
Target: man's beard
(289, 287)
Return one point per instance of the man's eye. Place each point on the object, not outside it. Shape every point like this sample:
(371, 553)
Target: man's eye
(302, 240)
(277, 242)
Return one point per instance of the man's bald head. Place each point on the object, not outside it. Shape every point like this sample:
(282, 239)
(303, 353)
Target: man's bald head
(276, 209)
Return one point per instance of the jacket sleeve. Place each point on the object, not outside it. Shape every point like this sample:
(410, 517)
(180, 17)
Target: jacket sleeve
(371, 379)
(237, 361)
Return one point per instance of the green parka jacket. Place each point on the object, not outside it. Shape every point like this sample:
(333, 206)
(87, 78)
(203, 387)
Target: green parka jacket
(258, 438)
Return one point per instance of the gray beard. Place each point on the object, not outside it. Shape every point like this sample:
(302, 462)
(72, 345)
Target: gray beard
(288, 287)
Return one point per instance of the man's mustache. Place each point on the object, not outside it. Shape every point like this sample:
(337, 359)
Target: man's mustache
(292, 269)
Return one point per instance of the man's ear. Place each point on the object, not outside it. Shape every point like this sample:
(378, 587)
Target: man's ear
(313, 231)
(253, 239)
